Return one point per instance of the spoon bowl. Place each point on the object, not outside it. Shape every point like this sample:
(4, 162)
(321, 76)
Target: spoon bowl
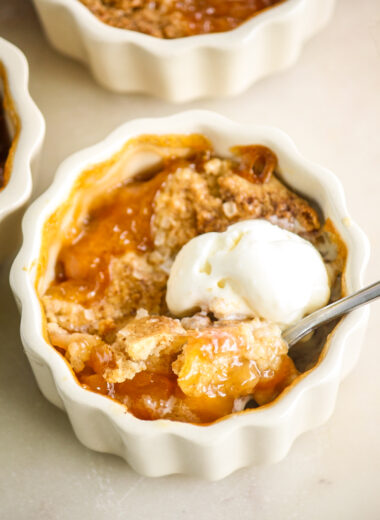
(296, 332)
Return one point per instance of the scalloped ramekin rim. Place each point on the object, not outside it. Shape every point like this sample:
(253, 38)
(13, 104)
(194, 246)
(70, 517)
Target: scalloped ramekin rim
(223, 40)
(183, 69)
(32, 129)
(23, 269)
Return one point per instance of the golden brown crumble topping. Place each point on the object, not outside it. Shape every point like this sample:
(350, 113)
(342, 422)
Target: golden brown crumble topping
(106, 310)
(176, 18)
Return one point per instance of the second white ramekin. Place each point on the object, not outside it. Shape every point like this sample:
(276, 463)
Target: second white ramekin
(162, 447)
(27, 133)
(184, 69)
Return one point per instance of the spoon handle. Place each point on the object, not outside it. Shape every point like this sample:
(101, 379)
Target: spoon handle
(294, 333)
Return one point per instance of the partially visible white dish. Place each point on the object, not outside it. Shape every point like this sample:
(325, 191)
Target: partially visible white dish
(162, 447)
(184, 69)
(26, 127)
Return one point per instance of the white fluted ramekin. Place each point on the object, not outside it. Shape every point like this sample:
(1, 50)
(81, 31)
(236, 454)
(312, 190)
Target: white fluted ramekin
(162, 447)
(184, 69)
(27, 130)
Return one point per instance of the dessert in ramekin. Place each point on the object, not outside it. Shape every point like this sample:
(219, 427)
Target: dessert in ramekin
(171, 286)
(186, 68)
(52, 274)
(22, 129)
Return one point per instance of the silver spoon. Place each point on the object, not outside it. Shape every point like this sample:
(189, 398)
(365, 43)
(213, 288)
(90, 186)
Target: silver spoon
(296, 332)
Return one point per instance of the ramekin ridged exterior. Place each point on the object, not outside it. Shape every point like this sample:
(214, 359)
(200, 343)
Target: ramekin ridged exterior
(163, 447)
(184, 69)
(28, 142)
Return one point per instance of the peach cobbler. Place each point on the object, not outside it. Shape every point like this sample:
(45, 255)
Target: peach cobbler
(176, 18)
(126, 277)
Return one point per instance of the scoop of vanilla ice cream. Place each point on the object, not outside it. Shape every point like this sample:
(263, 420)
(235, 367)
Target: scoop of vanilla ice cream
(254, 268)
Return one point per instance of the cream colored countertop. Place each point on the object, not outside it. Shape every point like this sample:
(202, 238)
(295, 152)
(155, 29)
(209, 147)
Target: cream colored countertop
(329, 103)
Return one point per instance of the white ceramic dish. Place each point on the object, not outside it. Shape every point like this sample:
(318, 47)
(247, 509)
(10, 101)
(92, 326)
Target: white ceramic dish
(27, 129)
(184, 69)
(163, 447)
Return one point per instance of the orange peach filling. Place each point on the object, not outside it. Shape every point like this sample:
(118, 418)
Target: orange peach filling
(210, 373)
